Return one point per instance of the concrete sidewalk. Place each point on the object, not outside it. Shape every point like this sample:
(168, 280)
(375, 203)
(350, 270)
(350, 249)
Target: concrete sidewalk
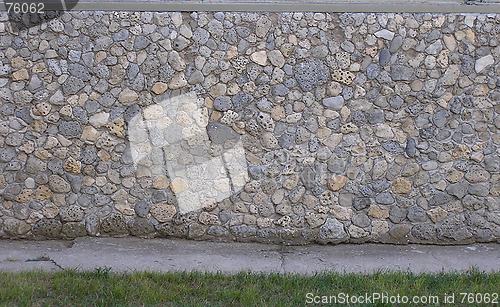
(128, 254)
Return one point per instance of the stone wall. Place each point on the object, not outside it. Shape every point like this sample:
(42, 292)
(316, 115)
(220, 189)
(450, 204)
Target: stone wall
(270, 127)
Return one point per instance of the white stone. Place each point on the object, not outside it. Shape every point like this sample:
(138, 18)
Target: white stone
(100, 119)
(483, 62)
(259, 57)
(385, 34)
(153, 112)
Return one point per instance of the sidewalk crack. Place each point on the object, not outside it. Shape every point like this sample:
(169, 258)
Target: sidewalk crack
(56, 264)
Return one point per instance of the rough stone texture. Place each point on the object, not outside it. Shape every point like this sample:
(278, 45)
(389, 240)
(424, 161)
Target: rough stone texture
(276, 127)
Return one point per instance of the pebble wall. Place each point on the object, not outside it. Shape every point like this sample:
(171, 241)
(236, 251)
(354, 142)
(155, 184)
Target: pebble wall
(271, 127)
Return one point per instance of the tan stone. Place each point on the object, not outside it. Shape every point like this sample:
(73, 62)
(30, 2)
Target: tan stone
(206, 218)
(379, 228)
(117, 127)
(437, 214)
(42, 193)
(377, 212)
(103, 155)
(259, 57)
(341, 213)
(50, 211)
(401, 186)
(178, 81)
(160, 182)
(461, 152)
(19, 75)
(315, 220)
(454, 176)
(90, 134)
(124, 208)
(24, 196)
(72, 166)
(42, 109)
(337, 182)
(291, 182)
(128, 95)
(344, 77)
(163, 212)
(178, 185)
(101, 55)
(249, 219)
(278, 113)
(159, 88)
(357, 232)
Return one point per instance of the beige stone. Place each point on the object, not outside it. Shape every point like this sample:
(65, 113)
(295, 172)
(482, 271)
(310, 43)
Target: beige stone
(206, 218)
(337, 182)
(163, 212)
(377, 212)
(315, 220)
(341, 213)
(20, 75)
(357, 232)
(437, 214)
(117, 127)
(401, 186)
(42, 109)
(90, 134)
(50, 211)
(379, 228)
(461, 152)
(259, 57)
(160, 182)
(178, 185)
(42, 193)
(159, 88)
(72, 166)
(178, 81)
(454, 176)
(124, 208)
(128, 95)
(24, 196)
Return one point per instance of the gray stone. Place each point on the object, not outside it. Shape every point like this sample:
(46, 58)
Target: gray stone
(335, 103)
(396, 44)
(222, 103)
(141, 42)
(424, 232)
(50, 228)
(332, 231)
(58, 184)
(70, 128)
(241, 100)
(416, 214)
(79, 71)
(401, 73)
(372, 71)
(384, 57)
(219, 133)
(35, 165)
(72, 85)
(311, 73)
(72, 213)
(454, 228)
(121, 35)
(479, 189)
(384, 198)
(392, 146)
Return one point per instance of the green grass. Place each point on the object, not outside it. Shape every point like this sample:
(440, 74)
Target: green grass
(105, 288)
